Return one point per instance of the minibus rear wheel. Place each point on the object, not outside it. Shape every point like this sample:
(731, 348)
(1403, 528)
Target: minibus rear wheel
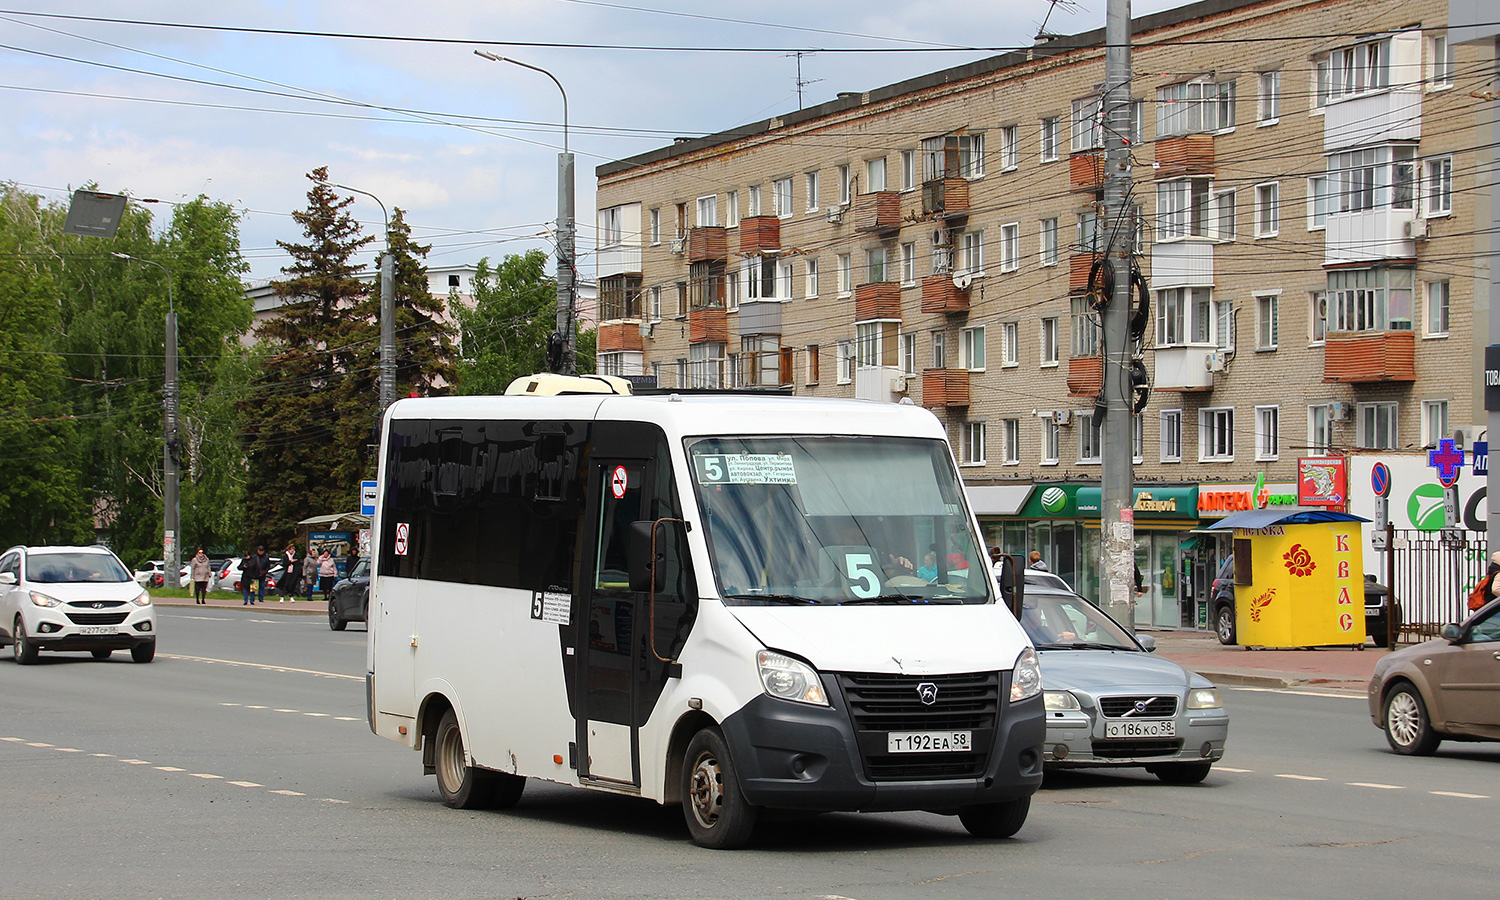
(461, 785)
(717, 813)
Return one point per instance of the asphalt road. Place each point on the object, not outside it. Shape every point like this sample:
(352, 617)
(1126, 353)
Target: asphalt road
(239, 764)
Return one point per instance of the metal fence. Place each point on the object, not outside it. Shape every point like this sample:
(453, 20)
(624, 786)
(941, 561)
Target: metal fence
(1430, 573)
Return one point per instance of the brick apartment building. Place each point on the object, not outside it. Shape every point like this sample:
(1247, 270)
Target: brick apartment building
(1309, 224)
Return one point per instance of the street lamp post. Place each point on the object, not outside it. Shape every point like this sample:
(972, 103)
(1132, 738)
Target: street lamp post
(566, 336)
(171, 500)
(387, 305)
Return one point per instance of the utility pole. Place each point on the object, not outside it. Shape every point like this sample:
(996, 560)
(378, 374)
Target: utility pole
(1117, 515)
(387, 305)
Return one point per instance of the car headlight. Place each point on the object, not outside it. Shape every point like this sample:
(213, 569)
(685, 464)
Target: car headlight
(41, 599)
(1057, 701)
(1026, 678)
(789, 679)
(141, 599)
(1204, 698)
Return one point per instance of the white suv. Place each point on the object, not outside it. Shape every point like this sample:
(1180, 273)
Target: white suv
(73, 598)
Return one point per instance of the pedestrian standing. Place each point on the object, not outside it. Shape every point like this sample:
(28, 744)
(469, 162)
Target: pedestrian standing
(199, 570)
(328, 573)
(262, 568)
(289, 573)
(247, 573)
(309, 572)
(1034, 560)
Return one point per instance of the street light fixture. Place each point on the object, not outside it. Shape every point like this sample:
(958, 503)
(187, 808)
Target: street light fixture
(171, 498)
(565, 339)
(387, 305)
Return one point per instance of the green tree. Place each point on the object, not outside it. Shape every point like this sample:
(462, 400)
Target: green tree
(424, 344)
(505, 335)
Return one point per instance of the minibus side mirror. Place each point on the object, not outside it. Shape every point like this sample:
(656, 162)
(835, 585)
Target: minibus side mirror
(648, 571)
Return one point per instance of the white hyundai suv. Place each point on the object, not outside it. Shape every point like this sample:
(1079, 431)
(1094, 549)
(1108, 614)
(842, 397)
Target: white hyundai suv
(73, 598)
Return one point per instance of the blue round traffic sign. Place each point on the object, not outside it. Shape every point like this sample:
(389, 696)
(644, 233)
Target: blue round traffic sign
(1380, 479)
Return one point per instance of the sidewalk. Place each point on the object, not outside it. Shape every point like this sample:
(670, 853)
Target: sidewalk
(1333, 668)
(272, 604)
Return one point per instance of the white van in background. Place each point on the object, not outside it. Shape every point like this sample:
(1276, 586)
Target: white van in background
(728, 602)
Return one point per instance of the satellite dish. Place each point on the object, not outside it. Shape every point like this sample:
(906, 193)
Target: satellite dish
(962, 281)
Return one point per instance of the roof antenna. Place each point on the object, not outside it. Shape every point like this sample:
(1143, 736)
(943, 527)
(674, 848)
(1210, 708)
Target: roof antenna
(802, 84)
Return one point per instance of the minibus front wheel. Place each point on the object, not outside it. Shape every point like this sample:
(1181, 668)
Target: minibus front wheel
(717, 813)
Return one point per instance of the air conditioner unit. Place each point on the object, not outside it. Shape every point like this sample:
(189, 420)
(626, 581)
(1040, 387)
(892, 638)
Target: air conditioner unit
(1339, 411)
(899, 384)
(679, 244)
(835, 214)
(1414, 229)
(1463, 438)
(1214, 362)
(942, 237)
(1062, 416)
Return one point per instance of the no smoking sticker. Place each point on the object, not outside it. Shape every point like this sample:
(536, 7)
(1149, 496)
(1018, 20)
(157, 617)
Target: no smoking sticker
(403, 538)
(618, 481)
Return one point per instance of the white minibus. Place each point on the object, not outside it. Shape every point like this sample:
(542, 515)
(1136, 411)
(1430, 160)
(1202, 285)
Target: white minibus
(726, 601)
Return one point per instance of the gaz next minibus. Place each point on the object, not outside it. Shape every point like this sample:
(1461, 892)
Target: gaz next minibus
(729, 602)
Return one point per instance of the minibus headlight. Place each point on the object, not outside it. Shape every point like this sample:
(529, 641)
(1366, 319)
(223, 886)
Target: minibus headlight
(1057, 701)
(1204, 698)
(141, 599)
(41, 599)
(1026, 678)
(789, 679)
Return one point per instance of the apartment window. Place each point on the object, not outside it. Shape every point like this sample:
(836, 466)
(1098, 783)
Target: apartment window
(908, 170)
(610, 226)
(869, 343)
(909, 263)
(1354, 70)
(732, 289)
(732, 209)
(708, 211)
(1088, 124)
(1189, 207)
(1194, 107)
(682, 299)
(656, 226)
(681, 220)
(953, 156)
(846, 185)
(760, 356)
(846, 362)
(845, 273)
(1377, 426)
(1267, 210)
(1317, 202)
(939, 350)
(784, 273)
(812, 278)
(1011, 430)
(1089, 438)
(1049, 441)
(1010, 147)
(760, 277)
(752, 200)
(1438, 178)
(1318, 317)
(973, 258)
(1085, 328)
(973, 443)
(1049, 341)
(1372, 178)
(1171, 435)
(971, 348)
(875, 261)
(874, 175)
(656, 304)
(1320, 429)
(1049, 139)
(1049, 242)
(971, 155)
(781, 197)
(1216, 434)
(1010, 344)
(1439, 62)
(1377, 299)
(1088, 231)
(1223, 336)
(1010, 247)
(1268, 98)
(1138, 438)
(1437, 309)
(812, 363)
(1434, 422)
(1267, 432)
(1267, 321)
(1222, 210)
(812, 192)
(908, 353)
(1188, 315)
(706, 365)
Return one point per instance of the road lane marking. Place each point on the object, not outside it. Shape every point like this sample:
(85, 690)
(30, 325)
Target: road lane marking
(67, 750)
(13, 740)
(288, 710)
(103, 755)
(136, 762)
(268, 668)
(169, 768)
(1377, 785)
(37, 744)
(322, 715)
(347, 719)
(1344, 695)
(290, 793)
(1460, 796)
(1229, 769)
(332, 800)
(246, 784)
(203, 775)
(1302, 777)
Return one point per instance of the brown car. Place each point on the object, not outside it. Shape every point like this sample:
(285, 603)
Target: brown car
(1445, 689)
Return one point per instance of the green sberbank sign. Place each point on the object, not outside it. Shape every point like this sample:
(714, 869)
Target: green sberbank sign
(1074, 501)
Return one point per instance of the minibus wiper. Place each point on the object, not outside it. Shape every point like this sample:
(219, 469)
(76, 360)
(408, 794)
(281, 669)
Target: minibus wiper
(902, 598)
(773, 598)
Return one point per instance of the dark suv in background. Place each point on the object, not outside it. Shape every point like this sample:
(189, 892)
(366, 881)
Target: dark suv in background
(1221, 607)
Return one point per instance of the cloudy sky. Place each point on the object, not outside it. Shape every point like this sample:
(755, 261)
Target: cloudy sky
(238, 100)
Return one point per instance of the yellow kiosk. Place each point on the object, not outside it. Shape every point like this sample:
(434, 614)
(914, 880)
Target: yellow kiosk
(1298, 577)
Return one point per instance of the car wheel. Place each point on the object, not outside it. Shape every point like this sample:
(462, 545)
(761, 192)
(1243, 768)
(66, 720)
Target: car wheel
(717, 813)
(1224, 624)
(21, 647)
(1182, 773)
(995, 820)
(143, 653)
(101, 653)
(1407, 728)
(460, 784)
(334, 622)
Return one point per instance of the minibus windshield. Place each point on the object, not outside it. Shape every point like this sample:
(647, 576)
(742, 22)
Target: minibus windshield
(836, 520)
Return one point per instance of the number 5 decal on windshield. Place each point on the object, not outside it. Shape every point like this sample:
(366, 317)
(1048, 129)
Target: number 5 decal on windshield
(860, 567)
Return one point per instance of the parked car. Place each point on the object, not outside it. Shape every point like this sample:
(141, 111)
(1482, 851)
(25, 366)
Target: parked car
(1110, 702)
(350, 601)
(229, 576)
(151, 573)
(73, 598)
(1221, 607)
(1445, 689)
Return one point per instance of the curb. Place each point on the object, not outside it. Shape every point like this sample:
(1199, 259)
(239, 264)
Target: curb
(279, 609)
(1246, 679)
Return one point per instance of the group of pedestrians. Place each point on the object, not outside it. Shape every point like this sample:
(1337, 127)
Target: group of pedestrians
(298, 576)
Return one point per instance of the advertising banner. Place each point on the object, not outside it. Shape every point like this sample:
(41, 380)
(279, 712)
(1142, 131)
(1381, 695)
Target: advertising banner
(1322, 481)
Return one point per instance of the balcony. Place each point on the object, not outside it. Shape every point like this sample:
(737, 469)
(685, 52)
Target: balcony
(619, 336)
(941, 295)
(1376, 117)
(708, 325)
(883, 383)
(1187, 367)
(1086, 170)
(1372, 235)
(945, 388)
(1369, 357)
(877, 300)
(1185, 154)
(760, 234)
(878, 213)
(1085, 376)
(1078, 271)
(707, 243)
(947, 198)
(620, 259)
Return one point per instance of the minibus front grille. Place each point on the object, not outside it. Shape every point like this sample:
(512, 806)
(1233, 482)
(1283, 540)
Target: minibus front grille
(881, 703)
